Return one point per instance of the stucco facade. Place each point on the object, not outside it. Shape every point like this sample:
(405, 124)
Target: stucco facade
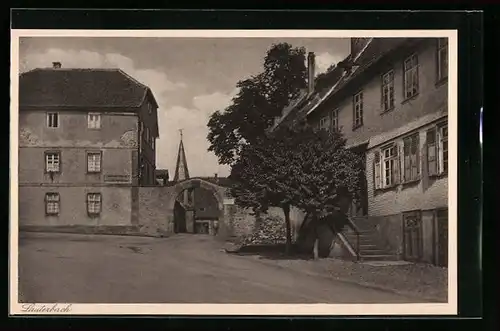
(82, 153)
(116, 143)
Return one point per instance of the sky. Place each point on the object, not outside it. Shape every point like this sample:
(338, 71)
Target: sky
(190, 78)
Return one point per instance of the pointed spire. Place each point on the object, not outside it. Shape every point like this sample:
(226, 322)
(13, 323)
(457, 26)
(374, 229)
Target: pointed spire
(181, 168)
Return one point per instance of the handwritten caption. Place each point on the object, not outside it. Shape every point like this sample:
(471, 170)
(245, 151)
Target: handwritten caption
(47, 309)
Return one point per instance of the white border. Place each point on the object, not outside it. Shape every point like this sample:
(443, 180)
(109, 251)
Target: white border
(449, 308)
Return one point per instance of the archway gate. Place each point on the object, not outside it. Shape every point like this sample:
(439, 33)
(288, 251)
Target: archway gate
(156, 204)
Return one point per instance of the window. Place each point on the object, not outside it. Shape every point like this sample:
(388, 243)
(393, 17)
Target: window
(335, 120)
(94, 121)
(410, 76)
(53, 162)
(324, 123)
(386, 167)
(150, 108)
(442, 59)
(153, 143)
(94, 162)
(358, 110)
(52, 203)
(411, 158)
(94, 203)
(437, 150)
(52, 120)
(388, 91)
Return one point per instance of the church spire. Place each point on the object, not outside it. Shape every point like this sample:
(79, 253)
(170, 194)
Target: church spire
(181, 168)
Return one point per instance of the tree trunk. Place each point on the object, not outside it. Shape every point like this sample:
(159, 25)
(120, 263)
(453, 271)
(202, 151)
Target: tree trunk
(286, 211)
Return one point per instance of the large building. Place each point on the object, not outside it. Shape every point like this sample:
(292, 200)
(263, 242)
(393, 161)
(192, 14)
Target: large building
(389, 98)
(86, 142)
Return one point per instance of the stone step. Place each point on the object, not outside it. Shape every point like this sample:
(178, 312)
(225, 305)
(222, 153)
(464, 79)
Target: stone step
(382, 257)
(371, 252)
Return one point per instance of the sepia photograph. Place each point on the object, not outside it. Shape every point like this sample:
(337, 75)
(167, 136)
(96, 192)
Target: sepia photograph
(264, 172)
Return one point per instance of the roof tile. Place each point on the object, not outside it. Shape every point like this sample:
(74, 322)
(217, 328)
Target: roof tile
(80, 88)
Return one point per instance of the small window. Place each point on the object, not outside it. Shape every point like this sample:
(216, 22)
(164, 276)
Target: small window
(153, 143)
(53, 162)
(52, 120)
(324, 123)
(94, 121)
(411, 158)
(388, 91)
(52, 203)
(335, 120)
(150, 108)
(437, 150)
(442, 59)
(410, 76)
(94, 203)
(358, 110)
(94, 162)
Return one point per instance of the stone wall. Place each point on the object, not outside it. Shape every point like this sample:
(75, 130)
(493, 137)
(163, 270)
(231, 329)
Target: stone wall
(155, 217)
(244, 223)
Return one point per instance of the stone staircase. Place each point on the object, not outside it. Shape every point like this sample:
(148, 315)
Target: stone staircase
(370, 244)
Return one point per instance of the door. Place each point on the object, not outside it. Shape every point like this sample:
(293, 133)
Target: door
(412, 239)
(442, 238)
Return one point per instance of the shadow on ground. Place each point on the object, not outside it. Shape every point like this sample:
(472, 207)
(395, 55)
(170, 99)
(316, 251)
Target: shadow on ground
(270, 252)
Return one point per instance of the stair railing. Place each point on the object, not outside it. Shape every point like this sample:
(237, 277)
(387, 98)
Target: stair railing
(347, 244)
(356, 230)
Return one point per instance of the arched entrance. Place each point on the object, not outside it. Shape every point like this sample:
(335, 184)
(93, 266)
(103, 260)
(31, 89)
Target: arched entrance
(184, 211)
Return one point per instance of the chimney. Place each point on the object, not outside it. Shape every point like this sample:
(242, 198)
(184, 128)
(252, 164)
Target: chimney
(56, 65)
(311, 64)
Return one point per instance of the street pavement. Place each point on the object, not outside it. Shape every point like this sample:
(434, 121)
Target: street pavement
(181, 269)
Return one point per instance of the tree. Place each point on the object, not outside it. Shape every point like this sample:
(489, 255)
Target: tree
(299, 167)
(260, 99)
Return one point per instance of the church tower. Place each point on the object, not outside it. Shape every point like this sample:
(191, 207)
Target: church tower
(182, 173)
(181, 168)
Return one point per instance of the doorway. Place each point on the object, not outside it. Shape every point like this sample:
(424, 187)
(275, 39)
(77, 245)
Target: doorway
(179, 218)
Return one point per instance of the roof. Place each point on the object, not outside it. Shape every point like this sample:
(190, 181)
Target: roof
(300, 106)
(371, 53)
(161, 172)
(81, 88)
(221, 181)
(181, 167)
(411, 126)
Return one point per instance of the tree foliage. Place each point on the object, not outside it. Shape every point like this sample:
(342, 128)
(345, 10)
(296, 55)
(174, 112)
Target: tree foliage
(260, 99)
(300, 167)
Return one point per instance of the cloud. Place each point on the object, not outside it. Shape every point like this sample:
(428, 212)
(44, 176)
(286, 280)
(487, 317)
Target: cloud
(325, 60)
(193, 121)
(155, 78)
(192, 118)
(210, 103)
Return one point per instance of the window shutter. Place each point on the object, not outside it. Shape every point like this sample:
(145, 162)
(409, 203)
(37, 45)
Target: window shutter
(432, 152)
(397, 162)
(417, 143)
(376, 171)
(406, 155)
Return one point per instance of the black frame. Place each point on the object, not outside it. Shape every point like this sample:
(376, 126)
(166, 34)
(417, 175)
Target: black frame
(470, 25)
